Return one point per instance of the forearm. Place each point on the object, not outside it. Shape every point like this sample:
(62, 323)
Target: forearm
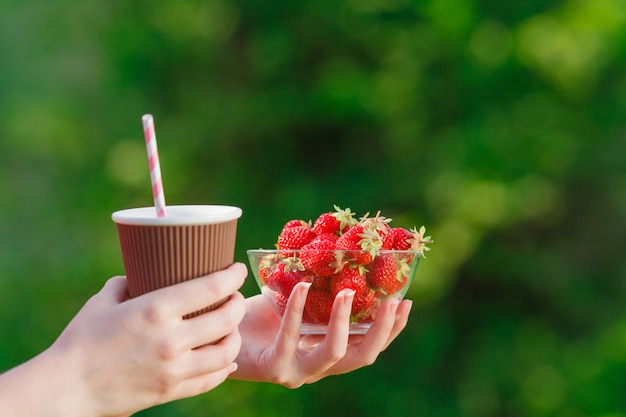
(43, 386)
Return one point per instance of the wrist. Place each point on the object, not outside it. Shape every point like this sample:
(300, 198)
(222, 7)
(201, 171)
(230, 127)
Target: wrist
(44, 385)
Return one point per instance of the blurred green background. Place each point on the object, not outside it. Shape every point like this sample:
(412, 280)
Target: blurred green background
(500, 126)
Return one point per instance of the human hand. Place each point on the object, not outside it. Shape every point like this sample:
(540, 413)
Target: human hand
(274, 351)
(126, 355)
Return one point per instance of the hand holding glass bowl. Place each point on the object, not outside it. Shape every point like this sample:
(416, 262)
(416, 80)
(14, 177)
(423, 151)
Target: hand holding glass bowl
(367, 256)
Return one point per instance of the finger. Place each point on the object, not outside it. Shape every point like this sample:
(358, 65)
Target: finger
(289, 333)
(212, 357)
(402, 318)
(196, 294)
(203, 383)
(213, 325)
(339, 323)
(335, 345)
(365, 353)
(377, 336)
(209, 366)
(373, 342)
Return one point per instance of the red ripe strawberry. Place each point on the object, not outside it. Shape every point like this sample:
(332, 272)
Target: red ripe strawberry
(266, 265)
(326, 223)
(351, 238)
(281, 303)
(353, 278)
(387, 241)
(360, 238)
(335, 222)
(379, 224)
(362, 306)
(286, 275)
(318, 256)
(296, 223)
(294, 237)
(401, 238)
(321, 283)
(386, 237)
(385, 275)
(327, 236)
(411, 240)
(319, 305)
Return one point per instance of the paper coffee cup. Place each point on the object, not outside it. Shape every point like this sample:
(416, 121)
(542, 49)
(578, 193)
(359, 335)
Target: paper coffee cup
(192, 241)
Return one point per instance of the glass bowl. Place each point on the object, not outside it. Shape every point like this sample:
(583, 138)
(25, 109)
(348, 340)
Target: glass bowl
(373, 275)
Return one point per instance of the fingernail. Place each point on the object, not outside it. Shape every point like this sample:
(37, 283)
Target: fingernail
(349, 296)
(233, 367)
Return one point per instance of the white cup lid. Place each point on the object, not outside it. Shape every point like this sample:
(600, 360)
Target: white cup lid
(177, 215)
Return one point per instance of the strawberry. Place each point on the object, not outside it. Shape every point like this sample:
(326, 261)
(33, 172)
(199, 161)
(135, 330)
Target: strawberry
(379, 224)
(266, 265)
(362, 306)
(385, 275)
(318, 256)
(326, 223)
(351, 238)
(321, 283)
(318, 306)
(411, 240)
(335, 222)
(352, 278)
(281, 303)
(387, 239)
(286, 275)
(360, 238)
(295, 237)
(401, 238)
(327, 236)
(296, 223)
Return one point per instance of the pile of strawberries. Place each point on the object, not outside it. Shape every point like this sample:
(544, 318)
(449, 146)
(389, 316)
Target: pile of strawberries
(338, 251)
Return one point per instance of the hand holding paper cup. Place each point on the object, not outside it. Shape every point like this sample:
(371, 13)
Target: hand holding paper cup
(164, 247)
(190, 242)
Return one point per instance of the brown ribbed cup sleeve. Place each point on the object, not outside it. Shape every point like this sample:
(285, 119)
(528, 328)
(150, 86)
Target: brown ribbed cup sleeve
(159, 256)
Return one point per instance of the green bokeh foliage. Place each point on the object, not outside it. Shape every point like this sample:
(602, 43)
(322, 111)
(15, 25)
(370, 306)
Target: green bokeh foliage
(498, 125)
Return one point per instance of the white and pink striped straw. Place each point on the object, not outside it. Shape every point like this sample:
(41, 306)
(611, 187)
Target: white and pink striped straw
(155, 167)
